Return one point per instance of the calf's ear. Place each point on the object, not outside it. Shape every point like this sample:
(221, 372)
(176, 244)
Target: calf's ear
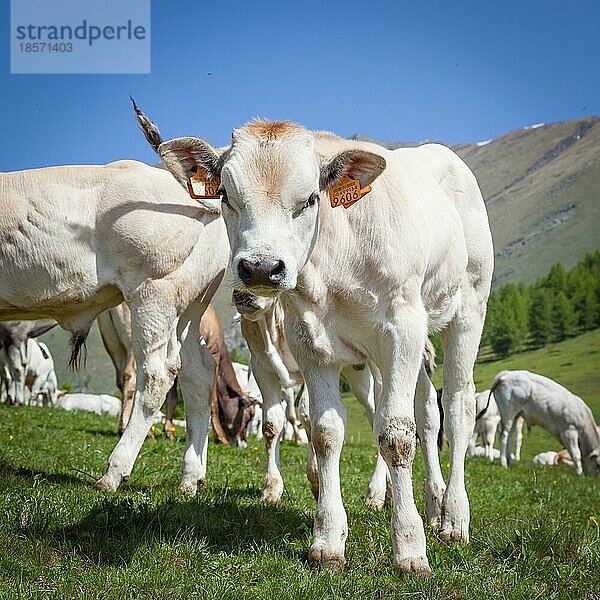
(356, 164)
(182, 156)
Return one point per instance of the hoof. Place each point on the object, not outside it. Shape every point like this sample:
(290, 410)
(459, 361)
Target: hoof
(271, 497)
(454, 533)
(190, 488)
(321, 560)
(169, 430)
(435, 523)
(272, 490)
(106, 484)
(412, 566)
(375, 501)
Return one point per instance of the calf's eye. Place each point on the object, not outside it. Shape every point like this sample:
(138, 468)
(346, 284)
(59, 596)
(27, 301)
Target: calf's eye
(312, 200)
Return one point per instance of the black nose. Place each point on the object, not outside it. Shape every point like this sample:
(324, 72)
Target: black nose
(261, 272)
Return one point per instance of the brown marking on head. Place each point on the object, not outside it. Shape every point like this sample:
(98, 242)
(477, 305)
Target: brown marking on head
(269, 131)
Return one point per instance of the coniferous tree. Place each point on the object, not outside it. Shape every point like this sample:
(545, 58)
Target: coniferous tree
(509, 326)
(563, 318)
(541, 328)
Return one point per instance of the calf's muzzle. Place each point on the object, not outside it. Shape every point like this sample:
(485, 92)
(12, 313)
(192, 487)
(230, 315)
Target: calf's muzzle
(261, 272)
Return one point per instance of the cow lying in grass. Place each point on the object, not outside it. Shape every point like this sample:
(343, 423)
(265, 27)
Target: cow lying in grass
(77, 240)
(548, 404)
(552, 457)
(101, 404)
(364, 285)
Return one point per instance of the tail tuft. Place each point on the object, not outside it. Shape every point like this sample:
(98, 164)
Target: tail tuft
(77, 343)
(149, 129)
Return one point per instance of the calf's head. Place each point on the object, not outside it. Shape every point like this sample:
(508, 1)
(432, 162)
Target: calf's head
(272, 182)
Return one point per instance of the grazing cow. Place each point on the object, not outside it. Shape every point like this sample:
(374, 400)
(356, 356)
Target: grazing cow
(486, 424)
(231, 407)
(101, 404)
(363, 285)
(548, 404)
(77, 240)
(13, 338)
(41, 386)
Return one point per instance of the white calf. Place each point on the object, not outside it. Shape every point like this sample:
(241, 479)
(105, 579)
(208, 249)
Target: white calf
(363, 285)
(548, 404)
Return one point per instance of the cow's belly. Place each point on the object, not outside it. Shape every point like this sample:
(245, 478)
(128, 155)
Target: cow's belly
(49, 267)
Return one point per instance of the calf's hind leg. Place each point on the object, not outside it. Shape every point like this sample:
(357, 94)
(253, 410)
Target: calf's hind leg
(362, 384)
(196, 378)
(427, 416)
(461, 343)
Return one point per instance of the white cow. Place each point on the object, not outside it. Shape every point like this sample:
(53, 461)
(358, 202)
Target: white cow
(486, 424)
(13, 341)
(548, 404)
(40, 378)
(363, 285)
(483, 451)
(77, 240)
(553, 458)
(101, 404)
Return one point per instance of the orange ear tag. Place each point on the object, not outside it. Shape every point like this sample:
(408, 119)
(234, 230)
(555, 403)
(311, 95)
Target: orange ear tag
(347, 192)
(206, 188)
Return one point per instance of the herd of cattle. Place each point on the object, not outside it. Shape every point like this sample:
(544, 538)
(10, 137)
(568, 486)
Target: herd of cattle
(342, 257)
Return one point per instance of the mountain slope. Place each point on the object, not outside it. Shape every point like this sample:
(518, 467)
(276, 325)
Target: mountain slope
(542, 190)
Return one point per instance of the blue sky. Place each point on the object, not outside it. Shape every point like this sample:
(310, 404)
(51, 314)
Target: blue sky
(393, 70)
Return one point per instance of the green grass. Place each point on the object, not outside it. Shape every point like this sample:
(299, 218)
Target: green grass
(535, 530)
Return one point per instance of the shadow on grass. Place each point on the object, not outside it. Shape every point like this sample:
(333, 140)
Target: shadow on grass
(10, 471)
(116, 527)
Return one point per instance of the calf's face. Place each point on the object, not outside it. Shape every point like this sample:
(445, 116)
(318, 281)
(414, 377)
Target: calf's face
(271, 185)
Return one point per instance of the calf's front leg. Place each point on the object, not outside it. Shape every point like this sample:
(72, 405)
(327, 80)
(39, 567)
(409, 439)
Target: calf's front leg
(328, 420)
(399, 360)
(156, 349)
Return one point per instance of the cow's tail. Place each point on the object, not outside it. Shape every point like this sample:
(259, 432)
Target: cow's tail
(429, 357)
(497, 381)
(149, 129)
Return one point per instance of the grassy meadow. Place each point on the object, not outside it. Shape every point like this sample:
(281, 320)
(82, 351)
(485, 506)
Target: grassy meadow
(535, 530)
